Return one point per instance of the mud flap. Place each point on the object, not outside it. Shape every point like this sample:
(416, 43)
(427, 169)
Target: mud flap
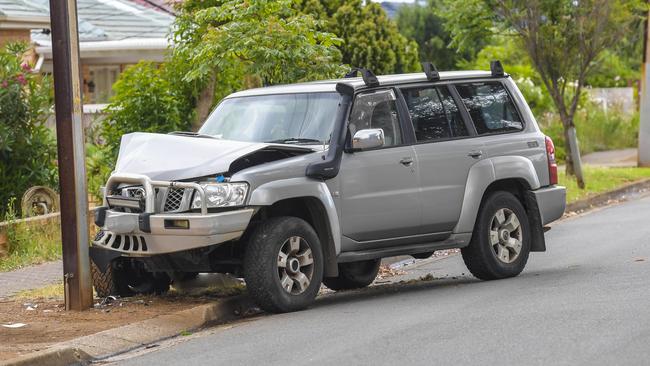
(537, 243)
(102, 257)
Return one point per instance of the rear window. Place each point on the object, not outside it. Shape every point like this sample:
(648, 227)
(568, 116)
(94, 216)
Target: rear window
(490, 107)
(434, 114)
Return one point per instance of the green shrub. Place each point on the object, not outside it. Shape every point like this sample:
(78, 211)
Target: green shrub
(27, 147)
(598, 130)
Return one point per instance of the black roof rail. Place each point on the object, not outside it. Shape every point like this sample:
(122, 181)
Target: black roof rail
(431, 71)
(368, 77)
(497, 69)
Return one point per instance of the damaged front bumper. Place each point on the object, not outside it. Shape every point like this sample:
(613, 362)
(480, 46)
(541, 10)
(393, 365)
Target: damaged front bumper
(150, 233)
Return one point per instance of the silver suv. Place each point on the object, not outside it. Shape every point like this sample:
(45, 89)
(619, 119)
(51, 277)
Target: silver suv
(296, 185)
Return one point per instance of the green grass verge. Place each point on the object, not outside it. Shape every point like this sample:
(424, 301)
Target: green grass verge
(31, 244)
(601, 179)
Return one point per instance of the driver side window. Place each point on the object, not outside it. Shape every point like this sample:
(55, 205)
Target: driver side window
(377, 109)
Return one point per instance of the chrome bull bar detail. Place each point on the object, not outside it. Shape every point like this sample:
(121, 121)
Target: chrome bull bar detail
(149, 185)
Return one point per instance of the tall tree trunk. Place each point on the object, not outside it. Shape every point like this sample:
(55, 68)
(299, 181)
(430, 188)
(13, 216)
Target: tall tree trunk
(572, 150)
(204, 103)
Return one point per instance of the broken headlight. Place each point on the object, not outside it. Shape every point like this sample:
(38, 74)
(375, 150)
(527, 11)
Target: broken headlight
(221, 195)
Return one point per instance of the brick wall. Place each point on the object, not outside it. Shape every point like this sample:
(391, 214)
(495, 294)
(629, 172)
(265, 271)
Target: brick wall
(13, 35)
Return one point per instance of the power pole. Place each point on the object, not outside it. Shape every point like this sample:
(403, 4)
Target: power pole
(71, 150)
(644, 126)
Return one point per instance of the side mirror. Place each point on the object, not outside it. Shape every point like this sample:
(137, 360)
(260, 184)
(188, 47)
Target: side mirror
(368, 139)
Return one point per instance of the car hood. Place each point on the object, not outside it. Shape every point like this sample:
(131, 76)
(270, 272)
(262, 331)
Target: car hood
(174, 157)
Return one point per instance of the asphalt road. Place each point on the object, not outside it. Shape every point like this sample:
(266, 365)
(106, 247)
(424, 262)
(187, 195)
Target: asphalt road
(585, 301)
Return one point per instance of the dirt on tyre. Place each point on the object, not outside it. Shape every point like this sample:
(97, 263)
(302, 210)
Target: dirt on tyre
(283, 264)
(354, 275)
(500, 242)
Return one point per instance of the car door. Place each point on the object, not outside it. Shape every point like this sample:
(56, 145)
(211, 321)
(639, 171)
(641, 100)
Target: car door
(445, 151)
(379, 187)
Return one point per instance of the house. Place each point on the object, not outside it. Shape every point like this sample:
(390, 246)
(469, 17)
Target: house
(113, 34)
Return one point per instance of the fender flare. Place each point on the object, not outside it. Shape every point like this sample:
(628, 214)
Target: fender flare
(482, 175)
(269, 193)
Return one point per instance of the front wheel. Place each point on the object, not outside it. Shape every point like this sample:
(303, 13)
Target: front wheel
(283, 265)
(501, 239)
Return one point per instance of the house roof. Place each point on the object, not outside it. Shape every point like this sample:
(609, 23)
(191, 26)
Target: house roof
(18, 14)
(101, 20)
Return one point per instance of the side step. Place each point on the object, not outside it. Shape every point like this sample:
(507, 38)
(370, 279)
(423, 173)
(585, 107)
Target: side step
(454, 241)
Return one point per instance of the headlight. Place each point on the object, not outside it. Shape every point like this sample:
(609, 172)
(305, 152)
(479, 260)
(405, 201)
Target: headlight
(221, 194)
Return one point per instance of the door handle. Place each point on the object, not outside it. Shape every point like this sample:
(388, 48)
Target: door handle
(475, 154)
(406, 161)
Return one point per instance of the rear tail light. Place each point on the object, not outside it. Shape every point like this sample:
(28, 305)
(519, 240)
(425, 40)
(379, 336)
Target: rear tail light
(552, 164)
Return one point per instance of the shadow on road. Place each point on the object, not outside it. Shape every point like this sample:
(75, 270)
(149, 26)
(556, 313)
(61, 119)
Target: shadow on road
(392, 289)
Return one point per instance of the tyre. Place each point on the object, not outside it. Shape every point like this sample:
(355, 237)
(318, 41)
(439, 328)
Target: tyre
(500, 242)
(283, 265)
(125, 278)
(354, 275)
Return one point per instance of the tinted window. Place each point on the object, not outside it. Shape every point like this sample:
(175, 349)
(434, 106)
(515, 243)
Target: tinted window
(434, 113)
(490, 107)
(377, 110)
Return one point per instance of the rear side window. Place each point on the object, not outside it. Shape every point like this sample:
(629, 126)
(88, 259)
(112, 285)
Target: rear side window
(490, 107)
(434, 113)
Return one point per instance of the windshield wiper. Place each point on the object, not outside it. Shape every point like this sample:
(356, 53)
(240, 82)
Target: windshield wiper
(191, 134)
(296, 141)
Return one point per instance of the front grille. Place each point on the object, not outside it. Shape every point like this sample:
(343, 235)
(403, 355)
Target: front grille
(174, 199)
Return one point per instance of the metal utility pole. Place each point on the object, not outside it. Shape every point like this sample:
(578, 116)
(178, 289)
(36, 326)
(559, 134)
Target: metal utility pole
(644, 126)
(70, 144)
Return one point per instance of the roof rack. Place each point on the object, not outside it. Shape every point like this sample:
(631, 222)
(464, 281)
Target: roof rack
(431, 71)
(497, 69)
(368, 77)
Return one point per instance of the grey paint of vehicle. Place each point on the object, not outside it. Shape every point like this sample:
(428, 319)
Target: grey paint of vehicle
(399, 195)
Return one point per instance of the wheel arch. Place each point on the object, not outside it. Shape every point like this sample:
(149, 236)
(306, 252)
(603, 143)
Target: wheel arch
(309, 200)
(515, 174)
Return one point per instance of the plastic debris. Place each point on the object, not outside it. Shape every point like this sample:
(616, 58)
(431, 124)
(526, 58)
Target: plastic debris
(14, 325)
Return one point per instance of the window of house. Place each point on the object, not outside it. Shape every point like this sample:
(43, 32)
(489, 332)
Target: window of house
(490, 107)
(377, 109)
(100, 83)
(434, 113)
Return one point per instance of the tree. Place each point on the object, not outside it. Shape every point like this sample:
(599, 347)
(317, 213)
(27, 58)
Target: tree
(423, 24)
(370, 38)
(27, 147)
(564, 40)
(261, 42)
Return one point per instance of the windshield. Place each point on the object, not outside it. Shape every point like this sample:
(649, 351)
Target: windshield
(306, 118)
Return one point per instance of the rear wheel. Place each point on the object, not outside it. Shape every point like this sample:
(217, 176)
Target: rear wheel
(501, 239)
(354, 275)
(283, 265)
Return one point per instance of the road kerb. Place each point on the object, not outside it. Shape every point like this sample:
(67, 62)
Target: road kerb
(118, 340)
(603, 199)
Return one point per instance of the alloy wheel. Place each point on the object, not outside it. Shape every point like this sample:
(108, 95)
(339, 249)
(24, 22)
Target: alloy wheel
(505, 235)
(295, 265)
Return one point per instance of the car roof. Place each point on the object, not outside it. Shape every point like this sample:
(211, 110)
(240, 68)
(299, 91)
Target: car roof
(324, 86)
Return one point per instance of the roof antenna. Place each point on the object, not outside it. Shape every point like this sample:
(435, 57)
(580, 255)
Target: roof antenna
(368, 77)
(497, 69)
(431, 71)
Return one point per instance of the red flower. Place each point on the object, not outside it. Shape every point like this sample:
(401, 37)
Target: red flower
(5, 83)
(21, 79)
(26, 67)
